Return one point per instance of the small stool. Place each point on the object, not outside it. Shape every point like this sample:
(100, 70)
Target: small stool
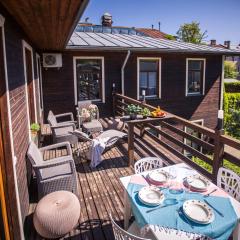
(56, 214)
(92, 127)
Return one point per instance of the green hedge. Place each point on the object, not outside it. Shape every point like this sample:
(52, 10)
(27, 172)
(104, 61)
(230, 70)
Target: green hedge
(232, 87)
(232, 114)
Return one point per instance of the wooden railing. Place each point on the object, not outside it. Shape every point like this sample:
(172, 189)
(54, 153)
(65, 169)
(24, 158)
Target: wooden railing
(207, 150)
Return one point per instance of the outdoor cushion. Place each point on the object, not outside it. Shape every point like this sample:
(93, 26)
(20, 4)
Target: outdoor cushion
(34, 154)
(56, 214)
(60, 170)
(52, 119)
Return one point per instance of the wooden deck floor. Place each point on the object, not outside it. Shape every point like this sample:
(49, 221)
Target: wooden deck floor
(100, 190)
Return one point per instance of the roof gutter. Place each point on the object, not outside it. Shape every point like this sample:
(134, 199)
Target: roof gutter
(123, 68)
(144, 49)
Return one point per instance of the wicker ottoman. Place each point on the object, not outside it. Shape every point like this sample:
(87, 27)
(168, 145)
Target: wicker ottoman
(56, 214)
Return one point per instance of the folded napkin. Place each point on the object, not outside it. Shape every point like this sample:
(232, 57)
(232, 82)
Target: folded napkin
(97, 148)
(168, 217)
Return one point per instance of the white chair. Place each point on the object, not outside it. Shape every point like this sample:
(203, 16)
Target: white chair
(148, 163)
(229, 181)
(132, 233)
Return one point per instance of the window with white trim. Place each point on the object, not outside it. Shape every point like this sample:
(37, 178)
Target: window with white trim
(195, 77)
(149, 76)
(89, 78)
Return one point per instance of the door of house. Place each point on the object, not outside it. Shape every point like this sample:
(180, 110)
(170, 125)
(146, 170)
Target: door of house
(4, 228)
(30, 92)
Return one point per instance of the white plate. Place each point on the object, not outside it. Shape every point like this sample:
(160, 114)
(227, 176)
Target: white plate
(158, 176)
(198, 211)
(198, 183)
(151, 196)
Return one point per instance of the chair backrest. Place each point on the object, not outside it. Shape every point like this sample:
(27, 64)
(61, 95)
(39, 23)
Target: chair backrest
(229, 181)
(84, 104)
(121, 234)
(148, 163)
(34, 154)
(51, 119)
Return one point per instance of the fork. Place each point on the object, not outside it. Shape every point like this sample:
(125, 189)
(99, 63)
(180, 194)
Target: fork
(207, 195)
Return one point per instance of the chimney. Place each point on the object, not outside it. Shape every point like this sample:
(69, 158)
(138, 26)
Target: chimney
(152, 26)
(227, 44)
(213, 42)
(107, 20)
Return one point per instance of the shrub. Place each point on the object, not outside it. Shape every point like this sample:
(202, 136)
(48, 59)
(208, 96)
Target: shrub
(230, 69)
(232, 114)
(232, 87)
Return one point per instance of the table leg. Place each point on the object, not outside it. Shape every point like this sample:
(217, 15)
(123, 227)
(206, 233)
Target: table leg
(127, 210)
(236, 232)
(131, 144)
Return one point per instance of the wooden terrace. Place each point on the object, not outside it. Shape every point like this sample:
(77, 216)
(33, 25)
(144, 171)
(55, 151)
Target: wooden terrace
(100, 191)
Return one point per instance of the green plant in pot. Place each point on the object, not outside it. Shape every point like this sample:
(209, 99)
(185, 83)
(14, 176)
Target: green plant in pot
(145, 112)
(35, 128)
(133, 110)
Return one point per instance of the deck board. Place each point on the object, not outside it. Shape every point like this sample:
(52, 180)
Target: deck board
(100, 191)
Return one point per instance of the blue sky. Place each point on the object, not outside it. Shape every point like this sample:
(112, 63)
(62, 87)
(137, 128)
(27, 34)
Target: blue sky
(221, 18)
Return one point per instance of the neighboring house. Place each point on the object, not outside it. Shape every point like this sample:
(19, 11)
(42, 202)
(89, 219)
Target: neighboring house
(182, 78)
(155, 33)
(227, 45)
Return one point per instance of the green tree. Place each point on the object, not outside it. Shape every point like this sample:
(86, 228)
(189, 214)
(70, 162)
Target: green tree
(191, 32)
(230, 69)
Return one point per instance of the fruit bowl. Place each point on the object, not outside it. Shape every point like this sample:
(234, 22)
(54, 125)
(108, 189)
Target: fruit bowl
(158, 113)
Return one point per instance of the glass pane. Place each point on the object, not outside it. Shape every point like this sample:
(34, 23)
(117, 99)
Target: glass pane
(152, 83)
(89, 75)
(194, 65)
(148, 65)
(194, 82)
(143, 85)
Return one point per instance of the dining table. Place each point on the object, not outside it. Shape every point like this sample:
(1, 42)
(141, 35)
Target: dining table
(155, 224)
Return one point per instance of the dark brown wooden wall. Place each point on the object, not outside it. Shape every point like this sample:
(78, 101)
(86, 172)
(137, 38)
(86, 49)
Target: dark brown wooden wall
(18, 107)
(173, 86)
(58, 84)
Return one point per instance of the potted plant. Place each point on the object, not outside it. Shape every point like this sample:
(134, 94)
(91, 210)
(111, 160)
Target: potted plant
(145, 112)
(133, 110)
(35, 128)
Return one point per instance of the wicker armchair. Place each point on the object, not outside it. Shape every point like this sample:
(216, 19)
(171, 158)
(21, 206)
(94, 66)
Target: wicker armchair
(55, 174)
(60, 130)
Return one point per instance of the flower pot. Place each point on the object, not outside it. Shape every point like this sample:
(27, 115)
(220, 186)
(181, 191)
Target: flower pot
(133, 116)
(34, 137)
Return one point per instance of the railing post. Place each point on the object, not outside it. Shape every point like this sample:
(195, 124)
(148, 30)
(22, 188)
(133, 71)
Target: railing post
(131, 144)
(114, 99)
(218, 147)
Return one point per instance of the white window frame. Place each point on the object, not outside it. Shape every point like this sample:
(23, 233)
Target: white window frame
(39, 73)
(185, 130)
(25, 45)
(75, 76)
(159, 76)
(187, 94)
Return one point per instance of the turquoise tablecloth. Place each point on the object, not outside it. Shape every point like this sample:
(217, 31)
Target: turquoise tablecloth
(221, 228)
